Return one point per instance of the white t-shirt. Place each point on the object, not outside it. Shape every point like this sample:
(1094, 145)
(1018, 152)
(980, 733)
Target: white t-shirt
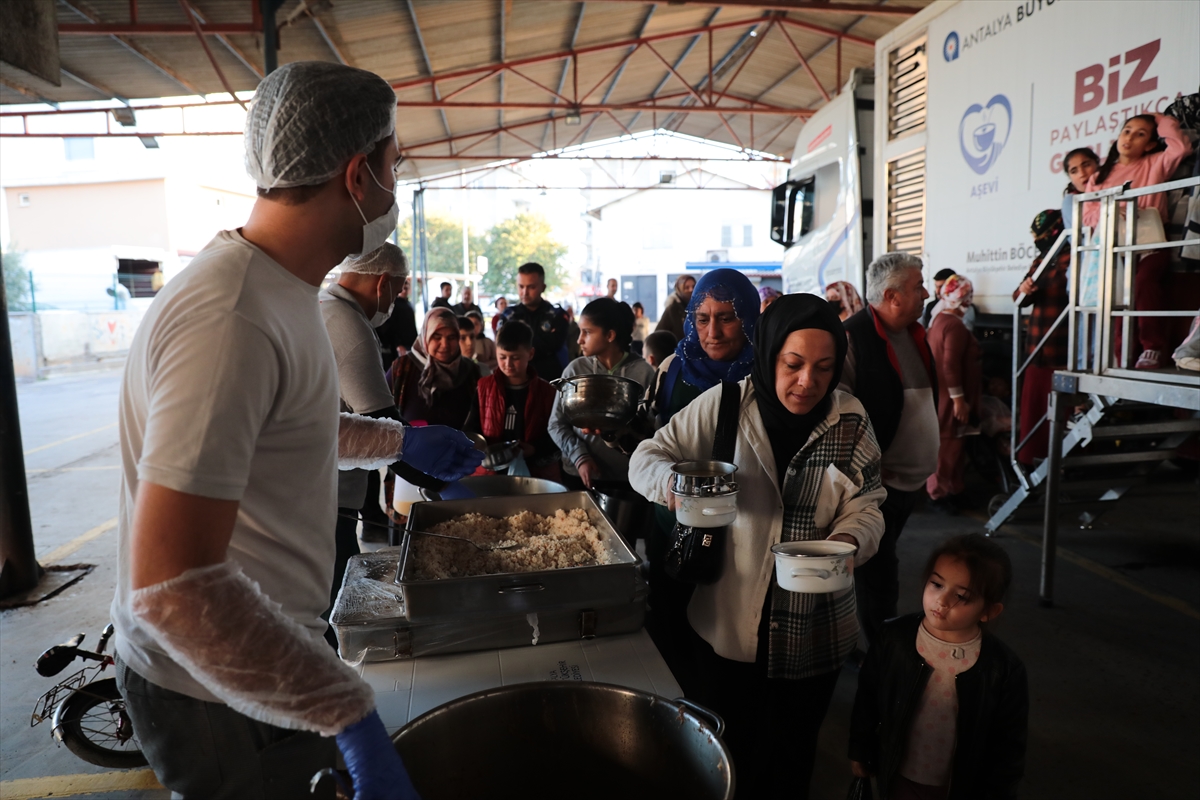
(912, 455)
(361, 384)
(230, 392)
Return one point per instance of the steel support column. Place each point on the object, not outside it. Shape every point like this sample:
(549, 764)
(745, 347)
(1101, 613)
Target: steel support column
(1050, 520)
(270, 33)
(19, 569)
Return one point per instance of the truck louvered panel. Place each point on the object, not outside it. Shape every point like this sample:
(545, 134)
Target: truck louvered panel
(906, 203)
(908, 73)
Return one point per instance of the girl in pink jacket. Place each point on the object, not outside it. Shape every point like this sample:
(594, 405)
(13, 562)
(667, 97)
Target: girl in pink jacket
(1148, 150)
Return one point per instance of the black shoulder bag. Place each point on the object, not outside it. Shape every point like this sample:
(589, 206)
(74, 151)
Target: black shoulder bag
(696, 554)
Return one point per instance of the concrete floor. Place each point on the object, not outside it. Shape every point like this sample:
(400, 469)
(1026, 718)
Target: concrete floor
(1115, 688)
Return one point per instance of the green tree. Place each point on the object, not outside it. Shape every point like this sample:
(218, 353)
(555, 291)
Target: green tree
(16, 281)
(443, 242)
(513, 242)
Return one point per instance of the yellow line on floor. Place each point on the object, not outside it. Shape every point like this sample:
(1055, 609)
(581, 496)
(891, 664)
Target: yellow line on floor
(70, 439)
(1109, 574)
(69, 785)
(64, 550)
(71, 469)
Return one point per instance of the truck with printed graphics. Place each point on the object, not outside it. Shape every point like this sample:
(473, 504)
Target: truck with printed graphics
(956, 141)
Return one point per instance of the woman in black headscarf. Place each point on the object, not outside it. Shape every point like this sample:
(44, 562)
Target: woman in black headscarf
(808, 468)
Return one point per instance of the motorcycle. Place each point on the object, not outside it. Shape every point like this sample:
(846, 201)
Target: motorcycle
(86, 711)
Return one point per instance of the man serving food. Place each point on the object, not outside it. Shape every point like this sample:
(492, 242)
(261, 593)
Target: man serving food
(231, 440)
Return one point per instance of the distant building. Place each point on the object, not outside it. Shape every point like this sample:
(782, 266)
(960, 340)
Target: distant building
(98, 241)
(647, 239)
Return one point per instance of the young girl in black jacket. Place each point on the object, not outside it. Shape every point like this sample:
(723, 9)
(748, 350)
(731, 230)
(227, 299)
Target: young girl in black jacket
(942, 706)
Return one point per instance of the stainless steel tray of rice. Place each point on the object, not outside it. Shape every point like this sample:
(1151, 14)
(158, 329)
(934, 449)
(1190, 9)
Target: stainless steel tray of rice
(371, 625)
(570, 556)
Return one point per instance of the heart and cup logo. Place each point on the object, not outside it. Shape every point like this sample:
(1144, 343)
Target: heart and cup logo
(983, 132)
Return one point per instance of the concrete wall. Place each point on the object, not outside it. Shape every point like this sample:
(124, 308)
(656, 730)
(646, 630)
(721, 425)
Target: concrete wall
(23, 330)
(89, 215)
(50, 339)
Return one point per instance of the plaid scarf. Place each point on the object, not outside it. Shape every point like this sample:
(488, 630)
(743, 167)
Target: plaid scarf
(814, 634)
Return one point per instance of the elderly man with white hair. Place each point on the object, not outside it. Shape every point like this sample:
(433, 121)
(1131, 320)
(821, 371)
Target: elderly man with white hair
(889, 368)
(231, 441)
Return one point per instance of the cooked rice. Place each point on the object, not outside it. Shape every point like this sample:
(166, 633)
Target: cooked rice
(565, 540)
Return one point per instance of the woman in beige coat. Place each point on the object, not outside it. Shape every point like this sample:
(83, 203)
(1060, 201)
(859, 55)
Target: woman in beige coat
(808, 468)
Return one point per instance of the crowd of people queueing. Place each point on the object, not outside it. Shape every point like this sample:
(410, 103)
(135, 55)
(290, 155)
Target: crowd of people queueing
(846, 416)
(245, 369)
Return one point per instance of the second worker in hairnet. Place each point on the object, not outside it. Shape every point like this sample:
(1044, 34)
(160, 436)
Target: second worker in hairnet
(231, 441)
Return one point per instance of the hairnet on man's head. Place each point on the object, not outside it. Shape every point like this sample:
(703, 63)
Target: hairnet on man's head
(309, 118)
(387, 260)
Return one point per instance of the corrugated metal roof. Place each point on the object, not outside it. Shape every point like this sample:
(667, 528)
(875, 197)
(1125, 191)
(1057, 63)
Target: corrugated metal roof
(626, 53)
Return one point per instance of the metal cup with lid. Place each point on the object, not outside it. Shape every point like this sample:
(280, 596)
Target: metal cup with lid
(705, 493)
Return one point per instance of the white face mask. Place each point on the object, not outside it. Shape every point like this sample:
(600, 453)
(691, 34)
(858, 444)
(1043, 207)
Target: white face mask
(376, 232)
(381, 316)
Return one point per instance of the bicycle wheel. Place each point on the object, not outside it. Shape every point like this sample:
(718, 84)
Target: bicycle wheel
(96, 728)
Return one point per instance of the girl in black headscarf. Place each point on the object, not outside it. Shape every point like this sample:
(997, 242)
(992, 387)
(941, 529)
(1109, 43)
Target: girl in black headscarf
(808, 468)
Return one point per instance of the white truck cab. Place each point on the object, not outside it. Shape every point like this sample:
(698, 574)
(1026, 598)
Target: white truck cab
(823, 213)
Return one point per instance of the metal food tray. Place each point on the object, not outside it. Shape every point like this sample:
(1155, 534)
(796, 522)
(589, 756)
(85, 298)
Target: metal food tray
(600, 585)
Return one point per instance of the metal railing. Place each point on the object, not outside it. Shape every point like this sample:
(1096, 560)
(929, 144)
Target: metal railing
(1019, 367)
(1090, 328)
(1093, 324)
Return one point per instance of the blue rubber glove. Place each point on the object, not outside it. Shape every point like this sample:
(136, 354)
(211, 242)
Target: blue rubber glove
(440, 451)
(456, 491)
(374, 765)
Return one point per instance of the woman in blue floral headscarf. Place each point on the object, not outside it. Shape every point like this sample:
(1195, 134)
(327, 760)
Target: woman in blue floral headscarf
(717, 344)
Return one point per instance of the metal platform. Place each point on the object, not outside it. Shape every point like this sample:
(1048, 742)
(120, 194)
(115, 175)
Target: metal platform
(1100, 315)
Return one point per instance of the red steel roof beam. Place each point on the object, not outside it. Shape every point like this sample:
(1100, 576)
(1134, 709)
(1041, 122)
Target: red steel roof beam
(757, 41)
(678, 77)
(799, 6)
(472, 84)
(729, 128)
(804, 63)
(595, 48)
(545, 89)
(153, 29)
(600, 108)
(187, 11)
(808, 26)
(609, 74)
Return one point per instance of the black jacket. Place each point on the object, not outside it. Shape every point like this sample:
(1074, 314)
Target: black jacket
(877, 382)
(993, 713)
(549, 323)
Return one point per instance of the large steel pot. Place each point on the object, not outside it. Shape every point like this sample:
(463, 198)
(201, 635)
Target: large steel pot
(583, 741)
(496, 455)
(630, 513)
(502, 486)
(600, 402)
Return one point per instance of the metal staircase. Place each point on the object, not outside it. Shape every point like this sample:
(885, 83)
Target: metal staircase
(1131, 421)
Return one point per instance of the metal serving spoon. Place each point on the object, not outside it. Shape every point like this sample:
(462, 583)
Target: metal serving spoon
(476, 545)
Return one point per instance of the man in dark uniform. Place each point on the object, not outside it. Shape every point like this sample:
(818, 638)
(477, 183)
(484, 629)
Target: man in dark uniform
(549, 322)
(443, 301)
(397, 334)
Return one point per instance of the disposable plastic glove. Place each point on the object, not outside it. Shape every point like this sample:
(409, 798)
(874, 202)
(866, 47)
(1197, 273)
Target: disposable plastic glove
(456, 491)
(237, 643)
(374, 765)
(440, 451)
(369, 443)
